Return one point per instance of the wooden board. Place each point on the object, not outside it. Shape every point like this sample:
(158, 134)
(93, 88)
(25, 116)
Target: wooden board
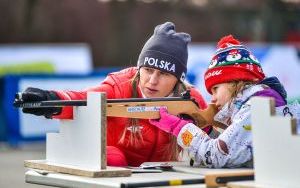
(108, 172)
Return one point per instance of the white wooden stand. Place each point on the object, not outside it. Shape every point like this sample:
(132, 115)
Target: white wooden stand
(276, 148)
(79, 147)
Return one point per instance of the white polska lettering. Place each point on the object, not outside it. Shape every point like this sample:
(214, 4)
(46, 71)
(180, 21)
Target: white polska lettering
(168, 66)
(161, 64)
(172, 68)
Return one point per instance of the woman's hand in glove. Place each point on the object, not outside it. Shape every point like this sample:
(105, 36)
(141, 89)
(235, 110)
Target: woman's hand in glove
(34, 95)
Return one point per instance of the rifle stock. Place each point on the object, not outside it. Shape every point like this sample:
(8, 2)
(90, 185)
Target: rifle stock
(150, 110)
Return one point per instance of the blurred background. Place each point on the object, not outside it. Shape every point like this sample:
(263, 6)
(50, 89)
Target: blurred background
(73, 44)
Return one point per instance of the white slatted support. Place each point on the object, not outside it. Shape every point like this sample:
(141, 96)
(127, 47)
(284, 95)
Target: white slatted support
(276, 146)
(79, 147)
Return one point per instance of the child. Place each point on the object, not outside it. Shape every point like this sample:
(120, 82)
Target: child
(233, 77)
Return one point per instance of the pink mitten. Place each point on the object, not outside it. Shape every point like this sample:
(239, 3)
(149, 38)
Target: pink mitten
(169, 123)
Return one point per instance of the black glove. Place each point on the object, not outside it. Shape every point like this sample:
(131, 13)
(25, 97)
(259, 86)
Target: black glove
(34, 94)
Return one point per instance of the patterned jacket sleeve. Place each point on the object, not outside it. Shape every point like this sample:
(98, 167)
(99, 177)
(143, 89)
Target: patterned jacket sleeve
(233, 148)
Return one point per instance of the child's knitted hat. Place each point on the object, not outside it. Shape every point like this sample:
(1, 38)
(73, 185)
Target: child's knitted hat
(232, 61)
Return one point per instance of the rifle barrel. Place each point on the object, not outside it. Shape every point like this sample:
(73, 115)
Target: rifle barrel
(61, 103)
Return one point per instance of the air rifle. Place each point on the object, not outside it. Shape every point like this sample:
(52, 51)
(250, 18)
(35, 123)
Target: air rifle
(141, 108)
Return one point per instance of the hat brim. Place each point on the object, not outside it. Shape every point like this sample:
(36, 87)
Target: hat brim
(225, 74)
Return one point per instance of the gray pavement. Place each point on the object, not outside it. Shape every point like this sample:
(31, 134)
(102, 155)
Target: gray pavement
(12, 164)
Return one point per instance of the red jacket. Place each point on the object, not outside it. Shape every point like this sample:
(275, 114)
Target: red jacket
(155, 142)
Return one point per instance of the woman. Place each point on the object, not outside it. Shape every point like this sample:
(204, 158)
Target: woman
(160, 72)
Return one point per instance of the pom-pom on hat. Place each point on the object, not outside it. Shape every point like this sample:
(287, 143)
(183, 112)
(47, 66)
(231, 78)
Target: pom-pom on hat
(166, 50)
(232, 62)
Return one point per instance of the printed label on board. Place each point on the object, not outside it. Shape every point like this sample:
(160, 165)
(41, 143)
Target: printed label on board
(144, 108)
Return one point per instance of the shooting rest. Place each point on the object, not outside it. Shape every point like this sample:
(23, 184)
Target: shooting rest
(276, 146)
(79, 148)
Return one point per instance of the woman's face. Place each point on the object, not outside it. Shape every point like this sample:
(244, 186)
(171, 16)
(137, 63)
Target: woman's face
(155, 83)
(221, 94)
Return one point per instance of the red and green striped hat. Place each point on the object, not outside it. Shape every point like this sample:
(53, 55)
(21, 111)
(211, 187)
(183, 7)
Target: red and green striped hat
(232, 62)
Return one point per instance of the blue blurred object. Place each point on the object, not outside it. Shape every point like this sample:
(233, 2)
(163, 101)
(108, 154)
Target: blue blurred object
(2, 121)
(11, 120)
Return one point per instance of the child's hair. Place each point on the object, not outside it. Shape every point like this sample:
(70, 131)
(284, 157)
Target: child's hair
(237, 87)
(170, 151)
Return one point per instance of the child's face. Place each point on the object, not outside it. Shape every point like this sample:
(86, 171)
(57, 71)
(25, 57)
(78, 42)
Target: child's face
(221, 94)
